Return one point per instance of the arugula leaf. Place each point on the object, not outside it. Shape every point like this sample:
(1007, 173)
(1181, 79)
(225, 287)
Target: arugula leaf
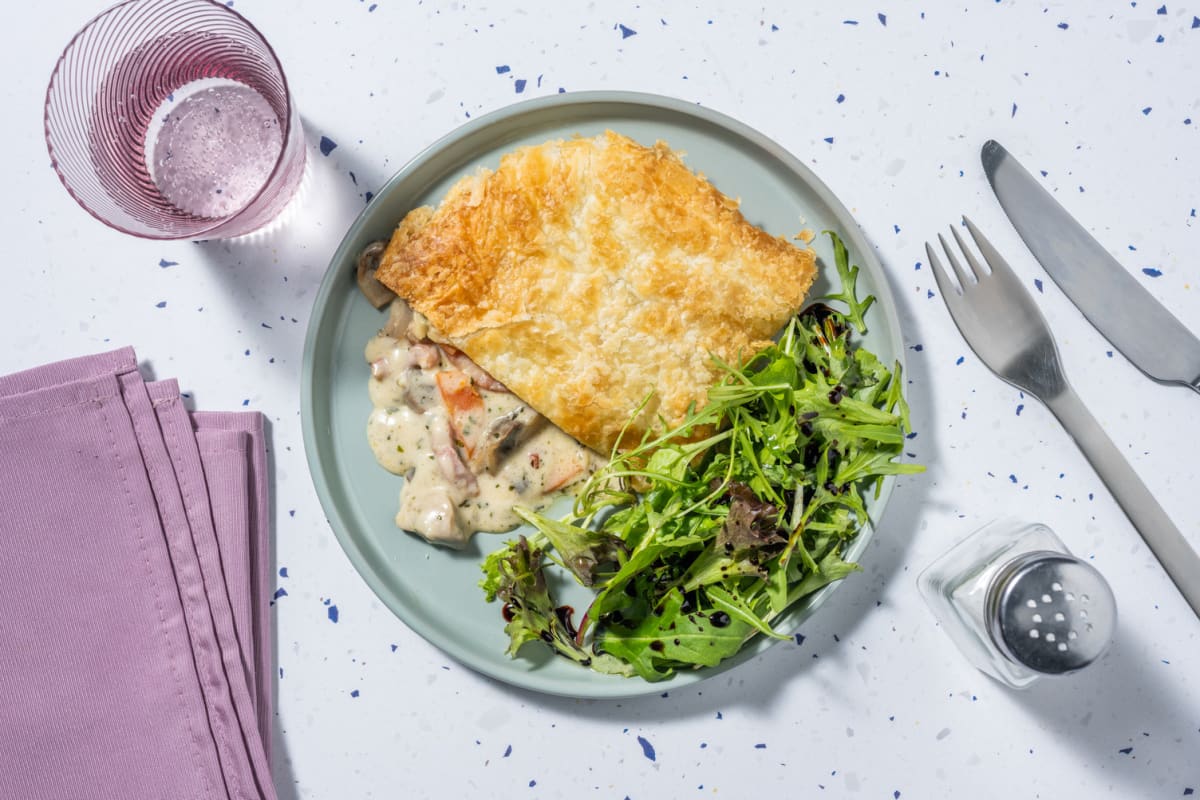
(670, 637)
(849, 279)
(580, 550)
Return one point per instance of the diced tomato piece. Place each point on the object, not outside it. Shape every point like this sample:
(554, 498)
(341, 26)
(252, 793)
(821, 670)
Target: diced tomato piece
(465, 407)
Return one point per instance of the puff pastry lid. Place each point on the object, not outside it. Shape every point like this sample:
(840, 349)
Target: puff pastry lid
(590, 274)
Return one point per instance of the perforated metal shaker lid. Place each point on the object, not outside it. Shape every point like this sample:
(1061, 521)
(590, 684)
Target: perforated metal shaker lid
(1051, 612)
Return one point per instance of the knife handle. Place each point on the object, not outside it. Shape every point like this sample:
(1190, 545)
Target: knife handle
(1165, 540)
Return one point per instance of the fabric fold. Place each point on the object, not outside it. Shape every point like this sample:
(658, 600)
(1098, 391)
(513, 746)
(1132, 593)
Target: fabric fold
(124, 674)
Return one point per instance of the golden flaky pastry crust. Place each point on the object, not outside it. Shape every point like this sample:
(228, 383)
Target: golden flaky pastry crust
(588, 274)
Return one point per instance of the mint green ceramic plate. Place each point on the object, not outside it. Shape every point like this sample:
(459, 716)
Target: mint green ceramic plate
(435, 590)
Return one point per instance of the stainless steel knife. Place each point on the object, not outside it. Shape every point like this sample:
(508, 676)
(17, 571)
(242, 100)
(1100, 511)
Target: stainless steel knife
(1111, 299)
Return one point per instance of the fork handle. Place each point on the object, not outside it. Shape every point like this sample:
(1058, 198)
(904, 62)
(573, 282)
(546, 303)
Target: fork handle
(1164, 539)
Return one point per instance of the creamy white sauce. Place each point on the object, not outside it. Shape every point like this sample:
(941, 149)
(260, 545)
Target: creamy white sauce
(453, 489)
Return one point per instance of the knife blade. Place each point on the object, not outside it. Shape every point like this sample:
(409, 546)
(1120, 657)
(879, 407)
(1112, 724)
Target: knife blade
(1114, 302)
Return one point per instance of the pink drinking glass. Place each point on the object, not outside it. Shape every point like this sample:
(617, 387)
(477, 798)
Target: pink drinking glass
(171, 119)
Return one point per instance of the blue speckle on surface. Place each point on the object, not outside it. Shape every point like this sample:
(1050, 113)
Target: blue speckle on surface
(1012, 478)
(1160, 39)
(719, 716)
(1063, 26)
(327, 145)
(1014, 111)
(1125, 750)
(829, 139)
(760, 746)
(1147, 110)
(520, 85)
(1161, 10)
(354, 693)
(1020, 408)
(503, 68)
(918, 347)
(896, 795)
(647, 748)
(161, 304)
(1187, 790)
(626, 32)
(959, 361)
(849, 22)
(283, 572)
(1152, 272)
(532, 784)
(1195, 24)
(1038, 283)
(508, 751)
(162, 262)
(799, 637)
(333, 614)
(280, 592)
(841, 98)
(882, 19)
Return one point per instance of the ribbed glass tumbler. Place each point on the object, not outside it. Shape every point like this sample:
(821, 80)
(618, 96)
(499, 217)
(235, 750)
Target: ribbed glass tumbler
(171, 119)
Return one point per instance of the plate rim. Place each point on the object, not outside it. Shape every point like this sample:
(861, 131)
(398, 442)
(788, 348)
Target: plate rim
(851, 233)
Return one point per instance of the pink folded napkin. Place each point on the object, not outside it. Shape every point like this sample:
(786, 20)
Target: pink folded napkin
(135, 646)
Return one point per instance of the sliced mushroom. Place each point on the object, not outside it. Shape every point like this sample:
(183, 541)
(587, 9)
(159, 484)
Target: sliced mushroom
(368, 261)
(400, 315)
(501, 438)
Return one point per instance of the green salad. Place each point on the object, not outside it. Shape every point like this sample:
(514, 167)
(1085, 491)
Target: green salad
(695, 540)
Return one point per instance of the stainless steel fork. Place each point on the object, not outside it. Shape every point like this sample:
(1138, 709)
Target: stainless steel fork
(1002, 324)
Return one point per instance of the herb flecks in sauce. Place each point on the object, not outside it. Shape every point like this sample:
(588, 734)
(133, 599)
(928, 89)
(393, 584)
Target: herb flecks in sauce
(470, 450)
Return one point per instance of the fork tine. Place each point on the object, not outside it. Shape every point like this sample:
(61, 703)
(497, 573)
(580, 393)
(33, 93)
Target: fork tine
(958, 270)
(949, 290)
(974, 262)
(990, 254)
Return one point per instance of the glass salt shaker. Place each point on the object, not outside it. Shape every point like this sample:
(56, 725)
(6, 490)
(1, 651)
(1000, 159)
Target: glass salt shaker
(1018, 604)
